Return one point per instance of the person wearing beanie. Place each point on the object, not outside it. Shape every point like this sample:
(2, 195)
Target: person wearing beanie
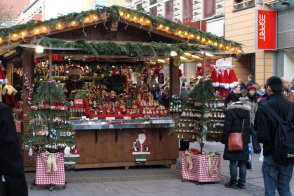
(251, 100)
(74, 82)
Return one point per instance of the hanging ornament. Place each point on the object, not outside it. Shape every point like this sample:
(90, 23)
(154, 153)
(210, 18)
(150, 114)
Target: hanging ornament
(233, 80)
(214, 78)
(30, 152)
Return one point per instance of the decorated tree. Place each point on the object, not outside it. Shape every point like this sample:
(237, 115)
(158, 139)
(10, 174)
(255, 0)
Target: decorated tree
(196, 113)
(49, 129)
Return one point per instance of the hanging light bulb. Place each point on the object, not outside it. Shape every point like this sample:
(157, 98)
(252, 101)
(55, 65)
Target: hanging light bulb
(198, 37)
(186, 33)
(59, 26)
(23, 33)
(94, 17)
(45, 29)
(173, 53)
(203, 39)
(215, 43)
(148, 21)
(121, 13)
(135, 18)
(166, 28)
(221, 45)
(209, 41)
(227, 47)
(141, 19)
(39, 49)
(87, 20)
(128, 15)
(1, 40)
(74, 23)
(192, 35)
(14, 37)
(160, 26)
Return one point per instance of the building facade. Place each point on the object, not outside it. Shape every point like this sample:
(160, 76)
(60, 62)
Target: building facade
(181, 10)
(47, 9)
(15, 7)
(284, 65)
(241, 26)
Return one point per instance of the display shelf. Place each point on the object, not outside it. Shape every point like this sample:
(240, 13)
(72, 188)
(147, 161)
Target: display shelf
(162, 122)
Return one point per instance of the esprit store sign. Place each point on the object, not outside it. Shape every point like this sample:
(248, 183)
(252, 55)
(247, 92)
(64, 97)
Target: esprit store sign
(266, 30)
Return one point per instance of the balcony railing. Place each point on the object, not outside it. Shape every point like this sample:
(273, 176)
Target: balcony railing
(244, 4)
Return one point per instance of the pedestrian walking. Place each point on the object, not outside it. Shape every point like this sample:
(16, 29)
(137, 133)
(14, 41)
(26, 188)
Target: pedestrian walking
(251, 81)
(288, 94)
(276, 173)
(11, 164)
(234, 96)
(237, 121)
(251, 100)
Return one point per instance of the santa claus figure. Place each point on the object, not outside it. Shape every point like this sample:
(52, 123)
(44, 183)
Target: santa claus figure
(141, 148)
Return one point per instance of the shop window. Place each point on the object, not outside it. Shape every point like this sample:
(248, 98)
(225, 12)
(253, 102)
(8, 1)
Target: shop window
(153, 11)
(139, 6)
(243, 4)
(153, 2)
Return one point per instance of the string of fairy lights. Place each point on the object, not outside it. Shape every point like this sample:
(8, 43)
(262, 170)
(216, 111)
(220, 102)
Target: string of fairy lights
(129, 16)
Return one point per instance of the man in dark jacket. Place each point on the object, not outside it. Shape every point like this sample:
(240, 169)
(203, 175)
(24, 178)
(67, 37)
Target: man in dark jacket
(11, 164)
(237, 120)
(275, 176)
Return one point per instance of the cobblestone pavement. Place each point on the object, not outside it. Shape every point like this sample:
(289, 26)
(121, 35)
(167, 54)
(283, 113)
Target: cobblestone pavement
(158, 181)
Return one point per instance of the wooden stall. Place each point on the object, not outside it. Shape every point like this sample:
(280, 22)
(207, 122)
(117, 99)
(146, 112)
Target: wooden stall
(111, 37)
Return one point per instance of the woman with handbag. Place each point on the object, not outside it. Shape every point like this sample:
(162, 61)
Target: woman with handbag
(236, 137)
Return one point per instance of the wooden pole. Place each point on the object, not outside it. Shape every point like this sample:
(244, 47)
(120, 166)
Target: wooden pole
(50, 64)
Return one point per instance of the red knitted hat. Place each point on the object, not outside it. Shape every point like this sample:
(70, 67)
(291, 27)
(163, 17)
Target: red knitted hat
(251, 87)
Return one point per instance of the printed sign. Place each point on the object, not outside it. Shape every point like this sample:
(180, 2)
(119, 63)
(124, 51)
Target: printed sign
(266, 30)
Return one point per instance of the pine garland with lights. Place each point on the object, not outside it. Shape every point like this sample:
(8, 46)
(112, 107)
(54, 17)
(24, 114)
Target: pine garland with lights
(121, 14)
(49, 129)
(129, 49)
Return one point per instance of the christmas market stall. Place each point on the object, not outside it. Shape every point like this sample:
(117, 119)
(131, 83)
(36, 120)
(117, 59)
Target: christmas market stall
(96, 86)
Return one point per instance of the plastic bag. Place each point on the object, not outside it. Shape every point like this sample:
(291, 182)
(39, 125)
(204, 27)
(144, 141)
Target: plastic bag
(261, 155)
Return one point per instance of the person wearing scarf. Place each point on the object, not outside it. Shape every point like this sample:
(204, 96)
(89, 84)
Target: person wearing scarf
(251, 100)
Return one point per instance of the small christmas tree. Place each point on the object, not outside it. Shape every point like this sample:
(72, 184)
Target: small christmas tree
(195, 114)
(49, 129)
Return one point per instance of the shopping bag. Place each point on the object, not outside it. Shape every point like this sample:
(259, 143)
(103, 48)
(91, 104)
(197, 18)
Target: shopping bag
(3, 188)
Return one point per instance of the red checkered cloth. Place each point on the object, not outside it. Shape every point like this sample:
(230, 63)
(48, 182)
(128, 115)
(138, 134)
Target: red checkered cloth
(186, 173)
(203, 172)
(51, 178)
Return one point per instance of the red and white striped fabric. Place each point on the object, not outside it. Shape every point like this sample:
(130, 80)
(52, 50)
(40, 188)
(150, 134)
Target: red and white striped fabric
(203, 173)
(51, 178)
(186, 173)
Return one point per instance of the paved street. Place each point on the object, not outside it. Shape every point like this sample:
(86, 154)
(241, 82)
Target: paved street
(158, 181)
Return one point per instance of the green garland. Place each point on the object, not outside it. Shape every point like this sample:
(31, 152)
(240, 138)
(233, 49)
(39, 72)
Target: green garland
(112, 13)
(130, 49)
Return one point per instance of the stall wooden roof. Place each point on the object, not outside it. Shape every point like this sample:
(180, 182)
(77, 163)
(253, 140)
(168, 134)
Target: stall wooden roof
(113, 24)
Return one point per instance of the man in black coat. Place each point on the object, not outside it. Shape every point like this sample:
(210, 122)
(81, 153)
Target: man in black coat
(11, 161)
(275, 176)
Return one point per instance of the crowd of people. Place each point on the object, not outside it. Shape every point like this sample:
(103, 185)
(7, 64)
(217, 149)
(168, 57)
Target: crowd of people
(248, 112)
